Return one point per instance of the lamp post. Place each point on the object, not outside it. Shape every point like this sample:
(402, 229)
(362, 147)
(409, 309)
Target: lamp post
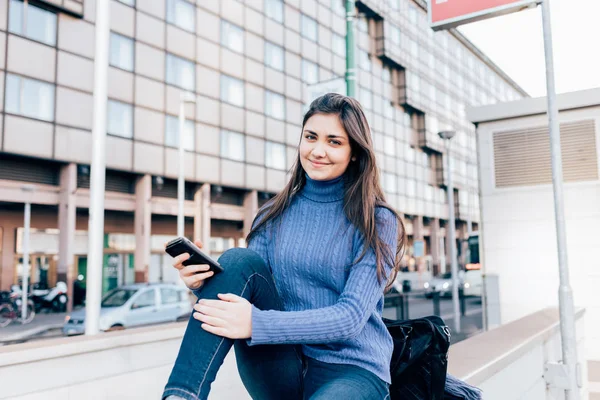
(447, 137)
(185, 98)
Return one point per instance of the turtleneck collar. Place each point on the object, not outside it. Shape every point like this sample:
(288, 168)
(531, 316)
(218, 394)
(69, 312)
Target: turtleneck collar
(323, 191)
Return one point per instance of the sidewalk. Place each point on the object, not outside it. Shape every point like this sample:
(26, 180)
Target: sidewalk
(15, 332)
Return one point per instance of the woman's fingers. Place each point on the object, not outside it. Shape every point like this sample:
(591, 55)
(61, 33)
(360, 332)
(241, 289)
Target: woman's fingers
(177, 261)
(212, 321)
(194, 269)
(199, 243)
(197, 278)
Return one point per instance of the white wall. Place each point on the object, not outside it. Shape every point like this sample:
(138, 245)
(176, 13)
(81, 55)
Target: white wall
(519, 235)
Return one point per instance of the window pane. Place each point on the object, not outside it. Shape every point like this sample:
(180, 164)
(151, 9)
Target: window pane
(390, 182)
(146, 299)
(232, 36)
(232, 90)
(310, 72)
(389, 145)
(275, 155)
(181, 13)
(339, 45)
(274, 56)
(232, 145)
(181, 72)
(365, 98)
(275, 105)
(29, 97)
(274, 9)
(169, 296)
(120, 119)
(172, 133)
(364, 60)
(121, 52)
(128, 2)
(41, 24)
(395, 34)
(309, 28)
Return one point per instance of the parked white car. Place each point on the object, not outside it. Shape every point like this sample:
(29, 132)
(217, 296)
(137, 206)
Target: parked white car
(135, 305)
(473, 283)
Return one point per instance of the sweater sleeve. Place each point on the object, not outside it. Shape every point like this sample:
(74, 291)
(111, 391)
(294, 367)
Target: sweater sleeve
(341, 321)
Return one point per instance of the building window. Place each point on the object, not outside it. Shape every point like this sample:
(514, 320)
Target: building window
(365, 98)
(309, 28)
(364, 60)
(275, 155)
(274, 56)
(128, 2)
(389, 146)
(28, 97)
(310, 72)
(395, 35)
(339, 6)
(232, 90)
(121, 52)
(232, 36)
(232, 145)
(274, 105)
(172, 133)
(120, 119)
(274, 9)
(40, 25)
(181, 72)
(390, 182)
(363, 25)
(181, 13)
(338, 45)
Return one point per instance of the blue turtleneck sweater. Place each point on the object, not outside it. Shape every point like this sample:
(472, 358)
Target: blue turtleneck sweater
(332, 307)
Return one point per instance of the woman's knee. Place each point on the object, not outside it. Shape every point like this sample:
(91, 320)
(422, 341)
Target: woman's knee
(242, 259)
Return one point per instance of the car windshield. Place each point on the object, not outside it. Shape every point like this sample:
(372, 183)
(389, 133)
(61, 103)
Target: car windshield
(447, 275)
(117, 297)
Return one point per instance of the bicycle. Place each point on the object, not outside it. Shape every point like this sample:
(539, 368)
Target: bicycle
(10, 309)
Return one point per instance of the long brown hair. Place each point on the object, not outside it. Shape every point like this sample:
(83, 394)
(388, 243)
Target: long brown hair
(362, 192)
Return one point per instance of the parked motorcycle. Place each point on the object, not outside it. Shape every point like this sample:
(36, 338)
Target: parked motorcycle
(53, 299)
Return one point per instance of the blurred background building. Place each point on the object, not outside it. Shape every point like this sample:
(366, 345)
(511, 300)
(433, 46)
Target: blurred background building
(249, 64)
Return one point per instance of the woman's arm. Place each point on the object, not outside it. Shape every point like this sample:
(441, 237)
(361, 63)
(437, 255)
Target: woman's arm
(347, 317)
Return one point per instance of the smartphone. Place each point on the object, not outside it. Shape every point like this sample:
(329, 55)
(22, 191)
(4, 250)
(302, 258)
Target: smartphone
(183, 245)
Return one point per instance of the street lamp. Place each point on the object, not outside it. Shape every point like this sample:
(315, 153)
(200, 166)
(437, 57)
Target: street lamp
(185, 98)
(447, 137)
(28, 189)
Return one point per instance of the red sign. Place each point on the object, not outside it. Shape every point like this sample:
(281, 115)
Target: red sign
(444, 14)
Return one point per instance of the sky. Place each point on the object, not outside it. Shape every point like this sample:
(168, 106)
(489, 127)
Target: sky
(515, 43)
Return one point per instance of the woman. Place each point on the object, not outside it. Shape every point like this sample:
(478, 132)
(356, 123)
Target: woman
(302, 305)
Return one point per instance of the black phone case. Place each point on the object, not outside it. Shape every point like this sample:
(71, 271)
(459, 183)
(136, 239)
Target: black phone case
(181, 245)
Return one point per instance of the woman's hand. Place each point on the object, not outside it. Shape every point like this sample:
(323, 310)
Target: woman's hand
(230, 317)
(192, 275)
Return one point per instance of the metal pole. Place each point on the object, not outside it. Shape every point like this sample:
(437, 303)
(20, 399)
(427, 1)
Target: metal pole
(350, 61)
(25, 264)
(565, 294)
(98, 172)
(181, 179)
(452, 239)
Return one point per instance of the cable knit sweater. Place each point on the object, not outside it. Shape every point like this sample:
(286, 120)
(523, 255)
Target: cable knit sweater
(332, 307)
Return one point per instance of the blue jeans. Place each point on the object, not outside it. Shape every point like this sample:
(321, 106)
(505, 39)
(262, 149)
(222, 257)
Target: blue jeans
(267, 371)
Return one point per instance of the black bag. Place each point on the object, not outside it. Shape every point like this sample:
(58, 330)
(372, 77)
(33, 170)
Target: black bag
(420, 358)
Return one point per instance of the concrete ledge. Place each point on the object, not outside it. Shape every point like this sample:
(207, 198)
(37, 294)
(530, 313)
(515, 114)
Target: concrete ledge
(479, 358)
(72, 346)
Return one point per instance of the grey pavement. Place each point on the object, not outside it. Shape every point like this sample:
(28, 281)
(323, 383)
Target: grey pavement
(41, 325)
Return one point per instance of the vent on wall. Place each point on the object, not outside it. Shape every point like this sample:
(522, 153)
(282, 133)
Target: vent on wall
(522, 157)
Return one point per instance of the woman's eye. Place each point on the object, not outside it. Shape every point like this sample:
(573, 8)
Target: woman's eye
(335, 142)
(310, 137)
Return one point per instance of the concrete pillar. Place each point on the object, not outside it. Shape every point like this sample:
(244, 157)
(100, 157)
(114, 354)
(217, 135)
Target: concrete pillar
(250, 210)
(7, 273)
(418, 227)
(434, 240)
(142, 227)
(66, 225)
(202, 214)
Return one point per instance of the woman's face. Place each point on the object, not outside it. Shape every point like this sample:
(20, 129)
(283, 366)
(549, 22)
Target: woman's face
(325, 150)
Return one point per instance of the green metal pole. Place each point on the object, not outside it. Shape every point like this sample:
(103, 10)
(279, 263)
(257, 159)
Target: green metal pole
(350, 61)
